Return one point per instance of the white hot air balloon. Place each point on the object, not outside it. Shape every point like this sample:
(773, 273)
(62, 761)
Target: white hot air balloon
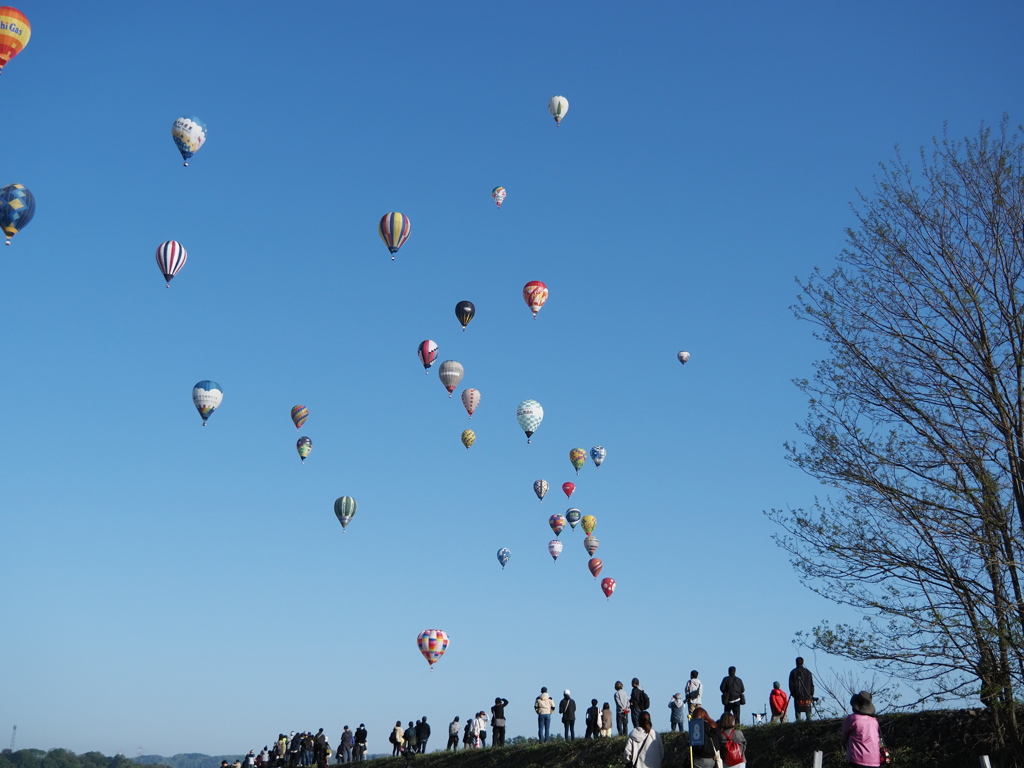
(682, 357)
(450, 373)
(558, 106)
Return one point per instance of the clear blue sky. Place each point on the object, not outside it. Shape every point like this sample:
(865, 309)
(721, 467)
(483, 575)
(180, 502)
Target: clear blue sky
(188, 589)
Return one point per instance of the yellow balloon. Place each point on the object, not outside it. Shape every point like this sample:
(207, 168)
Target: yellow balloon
(468, 438)
(589, 523)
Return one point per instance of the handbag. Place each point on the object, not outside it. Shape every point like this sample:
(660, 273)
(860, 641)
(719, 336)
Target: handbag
(884, 758)
(718, 759)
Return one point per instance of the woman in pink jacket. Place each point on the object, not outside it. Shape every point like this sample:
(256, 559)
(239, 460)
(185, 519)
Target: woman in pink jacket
(860, 733)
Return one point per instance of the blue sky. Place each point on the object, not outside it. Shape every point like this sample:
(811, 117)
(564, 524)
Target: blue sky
(189, 589)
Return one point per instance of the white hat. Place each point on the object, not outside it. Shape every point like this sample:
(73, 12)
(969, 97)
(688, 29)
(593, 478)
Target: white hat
(566, 691)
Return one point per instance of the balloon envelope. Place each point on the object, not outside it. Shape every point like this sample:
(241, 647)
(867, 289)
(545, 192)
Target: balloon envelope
(206, 396)
(578, 457)
(426, 351)
(345, 510)
(465, 311)
(535, 293)
(573, 516)
(540, 487)
(304, 446)
(432, 644)
(529, 414)
(17, 207)
(568, 488)
(682, 357)
(468, 438)
(470, 399)
(450, 373)
(554, 548)
(498, 193)
(394, 229)
(607, 586)
(503, 555)
(170, 257)
(597, 455)
(558, 106)
(14, 33)
(595, 565)
(590, 544)
(299, 415)
(189, 134)
(557, 523)
(589, 523)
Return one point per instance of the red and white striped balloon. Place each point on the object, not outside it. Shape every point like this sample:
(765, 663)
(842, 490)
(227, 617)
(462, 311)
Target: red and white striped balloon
(170, 257)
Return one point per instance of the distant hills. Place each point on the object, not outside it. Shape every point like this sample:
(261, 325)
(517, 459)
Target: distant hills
(187, 760)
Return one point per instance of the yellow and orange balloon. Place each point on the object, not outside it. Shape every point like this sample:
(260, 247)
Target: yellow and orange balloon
(14, 33)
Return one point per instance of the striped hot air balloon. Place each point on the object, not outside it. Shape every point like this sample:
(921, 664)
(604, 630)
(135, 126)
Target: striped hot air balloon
(299, 415)
(170, 257)
(432, 644)
(394, 230)
(14, 33)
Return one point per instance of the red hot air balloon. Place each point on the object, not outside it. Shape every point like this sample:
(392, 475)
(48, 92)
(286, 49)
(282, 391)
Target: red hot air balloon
(607, 586)
(595, 565)
(568, 488)
(535, 293)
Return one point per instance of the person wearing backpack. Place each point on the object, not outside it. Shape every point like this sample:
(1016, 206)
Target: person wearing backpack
(639, 702)
(694, 690)
(397, 739)
(734, 743)
(643, 747)
(732, 693)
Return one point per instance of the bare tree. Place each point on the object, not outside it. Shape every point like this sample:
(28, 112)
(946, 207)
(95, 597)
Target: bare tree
(916, 419)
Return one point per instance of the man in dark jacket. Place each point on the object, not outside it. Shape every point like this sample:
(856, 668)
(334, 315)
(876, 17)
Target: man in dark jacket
(639, 702)
(410, 738)
(422, 734)
(567, 709)
(498, 721)
(360, 750)
(732, 693)
(593, 716)
(801, 689)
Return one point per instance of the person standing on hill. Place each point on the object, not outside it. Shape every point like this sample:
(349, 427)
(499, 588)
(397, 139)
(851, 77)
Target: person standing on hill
(607, 720)
(397, 738)
(732, 693)
(543, 705)
(779, 703)
(422, 734)
(360, 750)
(410, 737)
(639, 702)
(677, 709)
(453, 735)
(498, 721)
(704, 756)
(567, 709)
(693, 691)
(345, 742)
(801, 688)
(593, 720)
(621, 708)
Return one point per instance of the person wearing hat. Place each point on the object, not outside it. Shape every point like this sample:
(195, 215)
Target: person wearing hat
(677, 707)
(543, 705)
(860, 733)
(567, 709)
(779, 703)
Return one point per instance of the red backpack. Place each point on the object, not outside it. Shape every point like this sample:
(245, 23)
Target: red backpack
(732, 754)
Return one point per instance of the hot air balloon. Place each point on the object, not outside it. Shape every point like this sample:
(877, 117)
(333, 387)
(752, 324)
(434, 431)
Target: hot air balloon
(207, 395)
(554, 548)
(345, 510)
(170, 257)
(589, 523)
(498, 193)
(468, 438)
(535, 293)
(470, 399)
(558, 106)
(17, 204)
(304, 446)
(14, 33)
(682, 357)
(394, 230)
(464, 311)
(427, 353)
(607, 586)
(595, 565)
(568, 488)
(450, 373)
(540, 487)
(557, 523)
(573, 516)
(299, 415)
(578, 457)
(189, 134)
(503, 555)
(597, 455)
(590, 544)
(433, 643)
(530, 414)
